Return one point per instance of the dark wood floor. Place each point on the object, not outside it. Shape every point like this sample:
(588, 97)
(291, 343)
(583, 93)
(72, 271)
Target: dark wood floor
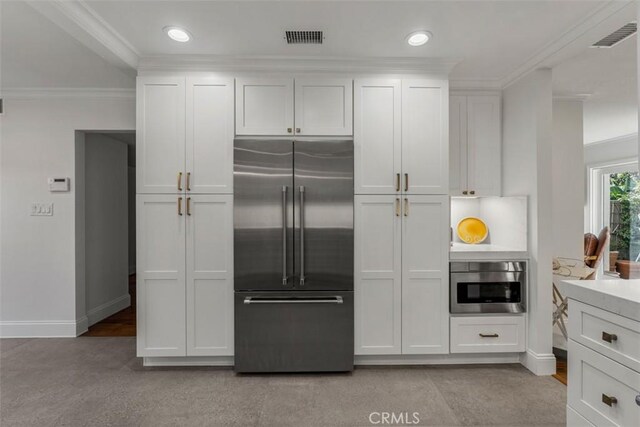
(561, 370)
(121, 324)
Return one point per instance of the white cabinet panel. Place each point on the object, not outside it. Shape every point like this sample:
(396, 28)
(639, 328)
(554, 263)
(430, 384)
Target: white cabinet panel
(161, 276)
(425, 275)
(209, 286)
(264, 106)
(487, 334)
(209, 135)
(377, 275)
(160, 134)
(484, 145)
(323, 107)
(425, 136)
(457, 144)
(377, 136)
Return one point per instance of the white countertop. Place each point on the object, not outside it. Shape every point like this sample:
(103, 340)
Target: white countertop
(617, 296)
(463, 251)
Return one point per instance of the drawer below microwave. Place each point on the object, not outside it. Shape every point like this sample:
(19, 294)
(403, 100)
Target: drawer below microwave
(487, 334)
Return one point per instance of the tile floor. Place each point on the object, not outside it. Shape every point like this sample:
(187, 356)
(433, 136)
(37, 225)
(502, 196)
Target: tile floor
(99, 381)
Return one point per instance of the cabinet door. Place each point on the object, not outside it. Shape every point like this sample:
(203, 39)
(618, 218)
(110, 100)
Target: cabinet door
(209, 135)
(425, 136)
(161, 275)
(484, 151)
(425, 275)
(377, 136)
(324, 107)
(377, 275)
(264, 106)
(457, 145)
(210, 275)
(160, 149)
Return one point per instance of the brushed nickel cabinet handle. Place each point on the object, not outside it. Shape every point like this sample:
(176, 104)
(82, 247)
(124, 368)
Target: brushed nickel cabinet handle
(638, 400)
(179, 181)
(180, 206)
(188, 181)
(609, 400)
(289, 130)
(489, 335)
(465, 192)
(406, 182)
(298, 130)
(397, 207)
(397, 182)
(406, 207)
(472, 192)
(189, 206)
(609, 337)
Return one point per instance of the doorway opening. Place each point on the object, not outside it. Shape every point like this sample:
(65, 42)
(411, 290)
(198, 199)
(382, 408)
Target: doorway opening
(105, 232)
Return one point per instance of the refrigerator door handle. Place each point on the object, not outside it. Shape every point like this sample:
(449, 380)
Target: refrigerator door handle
(284, 236)
(302, 235)
(285, 300)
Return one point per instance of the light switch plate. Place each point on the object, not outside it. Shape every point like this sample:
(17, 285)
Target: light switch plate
(41, 209)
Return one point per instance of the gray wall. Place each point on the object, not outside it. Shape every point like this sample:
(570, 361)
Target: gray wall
(106, 226)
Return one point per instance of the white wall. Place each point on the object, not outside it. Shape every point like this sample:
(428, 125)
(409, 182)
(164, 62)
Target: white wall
(106, 227)
(568, 179)
(37, 268)
(526, 154)
(132, 218)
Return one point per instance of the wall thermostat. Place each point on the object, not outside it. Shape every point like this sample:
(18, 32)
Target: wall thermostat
(59, 184)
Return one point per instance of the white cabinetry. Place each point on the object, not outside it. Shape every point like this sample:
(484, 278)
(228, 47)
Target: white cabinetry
(487, 334)
(323, 107)
(475, 145)
(401, 261)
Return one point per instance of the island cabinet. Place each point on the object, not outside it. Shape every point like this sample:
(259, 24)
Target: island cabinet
(475, 145)
(184, 162)
(305, 107)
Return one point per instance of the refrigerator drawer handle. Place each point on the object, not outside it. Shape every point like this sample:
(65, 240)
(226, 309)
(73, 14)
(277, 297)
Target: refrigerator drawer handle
(302, 278)
(331, 300)
(284, 236)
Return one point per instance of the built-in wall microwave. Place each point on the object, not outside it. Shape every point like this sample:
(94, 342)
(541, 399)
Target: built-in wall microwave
(488, 287)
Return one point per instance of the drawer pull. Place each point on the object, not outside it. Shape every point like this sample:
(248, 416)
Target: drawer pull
(609, 337)
(489, 335)
(609, 400)
(638, 400)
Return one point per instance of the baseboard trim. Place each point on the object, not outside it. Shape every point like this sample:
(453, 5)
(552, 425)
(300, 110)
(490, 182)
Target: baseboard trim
(437, 359)
(42, 328)
(108, 308)
(539, 364)
(188, 361)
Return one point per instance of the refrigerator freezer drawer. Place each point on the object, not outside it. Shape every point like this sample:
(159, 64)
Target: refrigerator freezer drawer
(293, 331)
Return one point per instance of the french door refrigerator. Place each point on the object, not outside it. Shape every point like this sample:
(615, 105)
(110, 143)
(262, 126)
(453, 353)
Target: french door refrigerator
(293, 255)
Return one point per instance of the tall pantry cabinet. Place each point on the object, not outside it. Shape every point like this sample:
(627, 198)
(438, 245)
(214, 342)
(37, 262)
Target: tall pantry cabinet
(184, 160)
(401, 216)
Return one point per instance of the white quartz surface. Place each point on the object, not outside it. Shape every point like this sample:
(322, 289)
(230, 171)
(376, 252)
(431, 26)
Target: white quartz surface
(463, 251)
(617, 296)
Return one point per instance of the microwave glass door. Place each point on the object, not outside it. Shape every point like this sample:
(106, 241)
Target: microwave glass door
(489, 292)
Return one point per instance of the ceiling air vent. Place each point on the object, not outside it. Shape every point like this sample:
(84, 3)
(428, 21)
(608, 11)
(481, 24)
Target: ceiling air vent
(304, 37)
(617, 36)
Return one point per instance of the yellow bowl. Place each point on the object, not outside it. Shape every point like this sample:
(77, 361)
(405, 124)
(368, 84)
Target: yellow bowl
(472, 230)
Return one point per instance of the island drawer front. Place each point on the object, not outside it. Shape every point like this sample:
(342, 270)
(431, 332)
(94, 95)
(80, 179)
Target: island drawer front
(574, 419)
(487, 334)
(602, 390)
(614, 336)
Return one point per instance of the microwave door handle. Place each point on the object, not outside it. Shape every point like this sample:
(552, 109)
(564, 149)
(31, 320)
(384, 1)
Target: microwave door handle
(284, 235)
(302, 278)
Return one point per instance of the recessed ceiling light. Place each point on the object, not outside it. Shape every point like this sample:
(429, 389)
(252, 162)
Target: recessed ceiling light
(177, 34)
(418, 38)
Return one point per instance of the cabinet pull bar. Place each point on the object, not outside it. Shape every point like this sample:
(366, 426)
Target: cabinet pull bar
(609, 337)
(406, 182)
(489, 335)
(188, 181)
(609, 400)
(406, 207)
(397, 207)
(189, 206)
(397, 182)
(180, 206)
(179, 181)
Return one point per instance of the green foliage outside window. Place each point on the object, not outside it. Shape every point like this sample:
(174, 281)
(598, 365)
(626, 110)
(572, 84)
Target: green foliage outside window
(624, 194)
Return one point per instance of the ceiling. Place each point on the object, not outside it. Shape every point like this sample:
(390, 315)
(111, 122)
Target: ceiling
(609, 79)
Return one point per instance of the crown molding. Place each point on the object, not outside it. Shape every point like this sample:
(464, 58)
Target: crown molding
(562, 96)
(475, 84)
(85, 25)
(295, 64)
(631, 138)
(39, 93)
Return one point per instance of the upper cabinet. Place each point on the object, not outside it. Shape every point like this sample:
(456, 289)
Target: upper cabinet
(184, 135)
(401, 136)
(475, 145)
(264, 106)
(323, 107)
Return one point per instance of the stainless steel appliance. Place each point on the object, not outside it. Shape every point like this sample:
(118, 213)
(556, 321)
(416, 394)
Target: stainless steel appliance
(293, 255)
(488, 287)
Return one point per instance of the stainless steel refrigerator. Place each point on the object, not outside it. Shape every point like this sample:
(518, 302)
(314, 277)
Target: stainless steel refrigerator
(293, 255)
